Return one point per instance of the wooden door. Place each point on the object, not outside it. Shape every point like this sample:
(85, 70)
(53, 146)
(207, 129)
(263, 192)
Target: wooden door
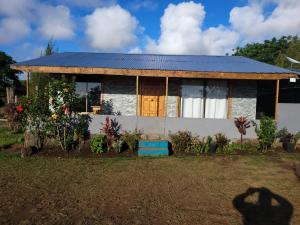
(152, 91)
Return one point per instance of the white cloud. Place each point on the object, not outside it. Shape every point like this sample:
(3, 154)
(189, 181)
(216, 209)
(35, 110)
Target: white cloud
(87, 3)
(144, 4)
(253, 25)
(16, 7)
(55, 22)
(18, 17)
(181, 33)
(111, 28)
(135, 50)
(13, 29)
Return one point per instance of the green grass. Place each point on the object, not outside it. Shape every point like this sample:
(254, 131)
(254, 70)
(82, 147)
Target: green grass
(7, 138)
(164, 190)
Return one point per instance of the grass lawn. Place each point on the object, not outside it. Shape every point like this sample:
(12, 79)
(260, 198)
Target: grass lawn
(171, 190)
(8, 138)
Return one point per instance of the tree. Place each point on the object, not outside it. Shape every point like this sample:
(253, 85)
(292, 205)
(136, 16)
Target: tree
(40, 80)
(272, 51)
(8, 76)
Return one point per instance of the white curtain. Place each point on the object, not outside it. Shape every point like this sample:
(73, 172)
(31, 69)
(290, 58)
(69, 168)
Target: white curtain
(192, 100)
(216, 99)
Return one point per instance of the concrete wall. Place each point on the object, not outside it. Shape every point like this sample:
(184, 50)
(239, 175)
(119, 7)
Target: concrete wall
(289, 116)
(244, 98)
(164, 126)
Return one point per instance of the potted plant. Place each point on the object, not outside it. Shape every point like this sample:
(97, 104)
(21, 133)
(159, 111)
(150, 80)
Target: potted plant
(212, 145)
(287, 139)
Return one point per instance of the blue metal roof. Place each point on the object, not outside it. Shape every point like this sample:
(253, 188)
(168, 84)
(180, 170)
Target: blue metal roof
(201, 63)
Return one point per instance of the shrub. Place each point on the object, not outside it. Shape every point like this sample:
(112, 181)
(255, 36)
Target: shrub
(65, 123)
(34, 112)
(131, 139)
(199, 146)
(230, 148)
(117, 146)
(266, 132)
(297, 137)
(111, 129)
(98, 144)
(181, 141)
(242, 124)
(221, 141)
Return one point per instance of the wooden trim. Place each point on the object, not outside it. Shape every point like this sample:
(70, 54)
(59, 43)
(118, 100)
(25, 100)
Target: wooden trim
(137, 96)
(27, 84)
(229, 110)
(166, 97)
(155, 73)
(276, 99)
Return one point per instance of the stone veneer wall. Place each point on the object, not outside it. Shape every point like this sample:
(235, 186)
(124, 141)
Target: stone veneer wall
(244, 98)
(173, 92)
(120, 91)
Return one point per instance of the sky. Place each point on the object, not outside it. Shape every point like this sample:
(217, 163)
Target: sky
(206, 27)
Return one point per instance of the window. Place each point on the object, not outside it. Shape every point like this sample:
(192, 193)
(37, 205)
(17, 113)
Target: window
(204, 99)
(89, 94)
(192, 100)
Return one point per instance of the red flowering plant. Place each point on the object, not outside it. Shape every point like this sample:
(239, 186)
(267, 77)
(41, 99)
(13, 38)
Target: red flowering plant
(67, 126)
(34, 114)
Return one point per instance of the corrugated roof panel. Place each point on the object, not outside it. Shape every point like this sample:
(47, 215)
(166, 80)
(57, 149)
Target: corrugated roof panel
(199, 63)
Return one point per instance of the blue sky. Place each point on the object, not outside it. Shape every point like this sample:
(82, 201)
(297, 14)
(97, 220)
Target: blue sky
(212, 27)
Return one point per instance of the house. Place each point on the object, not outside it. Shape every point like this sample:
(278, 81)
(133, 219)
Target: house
(166, 93)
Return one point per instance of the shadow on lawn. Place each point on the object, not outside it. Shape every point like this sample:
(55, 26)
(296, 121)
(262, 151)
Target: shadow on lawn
(269, 208)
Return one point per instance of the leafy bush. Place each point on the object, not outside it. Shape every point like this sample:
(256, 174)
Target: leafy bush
(111, 129)
(66, 125)
(230, 148)
(266, 132)
(181, 141)
(98, 144)
(34, 112)
(297, 137)
(199, 146)
(131, 139)
(117, 145)
(221, 140)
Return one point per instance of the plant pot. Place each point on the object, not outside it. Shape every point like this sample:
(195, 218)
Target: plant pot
(288, 146)
(212, 148)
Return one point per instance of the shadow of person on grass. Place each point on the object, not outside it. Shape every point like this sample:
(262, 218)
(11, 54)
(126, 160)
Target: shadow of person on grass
(270, 208)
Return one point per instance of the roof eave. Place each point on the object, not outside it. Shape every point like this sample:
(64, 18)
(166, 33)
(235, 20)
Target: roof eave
(154, 73)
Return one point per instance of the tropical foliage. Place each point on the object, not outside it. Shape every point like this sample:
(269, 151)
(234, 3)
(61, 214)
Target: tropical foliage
(273, 51)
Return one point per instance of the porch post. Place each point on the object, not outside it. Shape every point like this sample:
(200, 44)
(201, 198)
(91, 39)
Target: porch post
(276, 99)
(137, 96)
(27, 84)
(166, 97)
